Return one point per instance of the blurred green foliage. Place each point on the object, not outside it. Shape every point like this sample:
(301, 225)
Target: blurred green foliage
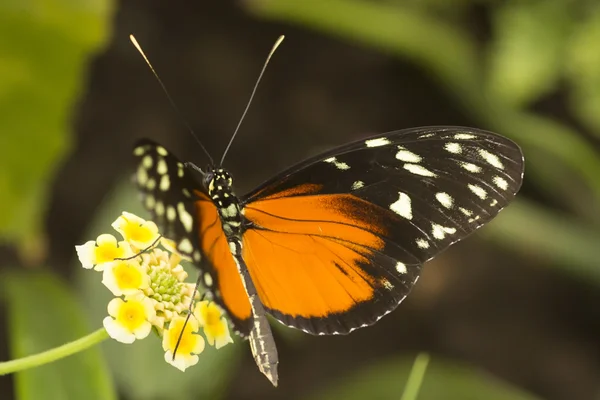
(537, 47)
(41, 76)
(443, 380)
(83, 375)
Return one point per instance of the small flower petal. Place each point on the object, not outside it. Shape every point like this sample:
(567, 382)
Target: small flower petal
(117, 332)
(138, 232)
(129, 320)
(125, 277)
(190, 343)
(181, 362)
(85, 253)
(104, 249)
(215, 326)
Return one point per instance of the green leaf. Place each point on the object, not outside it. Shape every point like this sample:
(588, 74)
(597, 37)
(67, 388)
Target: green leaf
(526, 58)
(562, 241)
(139, 369)
(44, 50)
(44, 314)
(443, 380)
(583, 71)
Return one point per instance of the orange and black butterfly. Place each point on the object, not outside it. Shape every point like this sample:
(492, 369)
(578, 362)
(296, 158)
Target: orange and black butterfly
(336, 242)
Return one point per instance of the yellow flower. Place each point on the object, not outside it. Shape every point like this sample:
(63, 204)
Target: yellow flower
(210, 317)
(189, 345)
(125, 277)
(137, 231)
(104, 249)
(129, 319)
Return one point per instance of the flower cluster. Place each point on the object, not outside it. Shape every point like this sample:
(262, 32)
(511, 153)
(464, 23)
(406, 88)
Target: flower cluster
(151, 292)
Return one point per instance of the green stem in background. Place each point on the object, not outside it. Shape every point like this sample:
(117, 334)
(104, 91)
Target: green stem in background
(450, 55)
(54, 354)
(415, 378)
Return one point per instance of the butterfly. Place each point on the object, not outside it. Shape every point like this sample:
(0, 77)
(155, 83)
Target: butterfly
(335, 242)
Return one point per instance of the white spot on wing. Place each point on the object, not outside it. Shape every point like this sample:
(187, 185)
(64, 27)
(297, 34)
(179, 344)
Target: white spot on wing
(150, 202)
(402, 206)
(171, 213)
(147, 162)
(185, 246)
(185, 217)
(161, 168)
(151, 185)
(470, 167)
(478, 191)
(387, 284)
(208, 280)
(445, 199)
(418, 170)
(422, 243)
(407, 156)
(339, 165)
(138, 151)
(464, 136)
(439, 232)
(357, 185)
(161, 150)
(491, 159)
(377, 142)
(159, 209)
(500, 182)
(468, 213)
(142, 175)
(401, 267)
(453, 148)
(165, 183)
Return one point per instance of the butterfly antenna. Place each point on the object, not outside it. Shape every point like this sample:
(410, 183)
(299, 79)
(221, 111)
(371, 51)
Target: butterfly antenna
(164, 88)
(275, 46)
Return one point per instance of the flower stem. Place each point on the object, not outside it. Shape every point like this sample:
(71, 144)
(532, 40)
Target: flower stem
(415, 379)
(54, 354)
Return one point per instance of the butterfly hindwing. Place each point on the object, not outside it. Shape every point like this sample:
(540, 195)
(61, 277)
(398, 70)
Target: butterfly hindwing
(337, 241)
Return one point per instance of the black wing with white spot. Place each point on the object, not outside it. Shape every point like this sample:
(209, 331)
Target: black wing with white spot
(443, 182)
(418, 190)
(172, 194)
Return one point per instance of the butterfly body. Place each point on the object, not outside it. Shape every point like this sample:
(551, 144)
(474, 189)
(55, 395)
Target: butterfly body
(336, 242)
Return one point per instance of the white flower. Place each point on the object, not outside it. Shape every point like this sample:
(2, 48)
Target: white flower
(129, 319)
(189, 345)
(104, 249)
(140, 233)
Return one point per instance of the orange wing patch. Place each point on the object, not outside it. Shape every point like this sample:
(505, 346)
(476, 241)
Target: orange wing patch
(308, 263)
(215, 247)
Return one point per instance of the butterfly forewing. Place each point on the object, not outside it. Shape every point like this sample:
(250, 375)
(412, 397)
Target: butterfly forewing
(179, 204)
(407, 195)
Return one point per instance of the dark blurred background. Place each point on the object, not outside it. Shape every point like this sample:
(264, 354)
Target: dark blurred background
(511, 313)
